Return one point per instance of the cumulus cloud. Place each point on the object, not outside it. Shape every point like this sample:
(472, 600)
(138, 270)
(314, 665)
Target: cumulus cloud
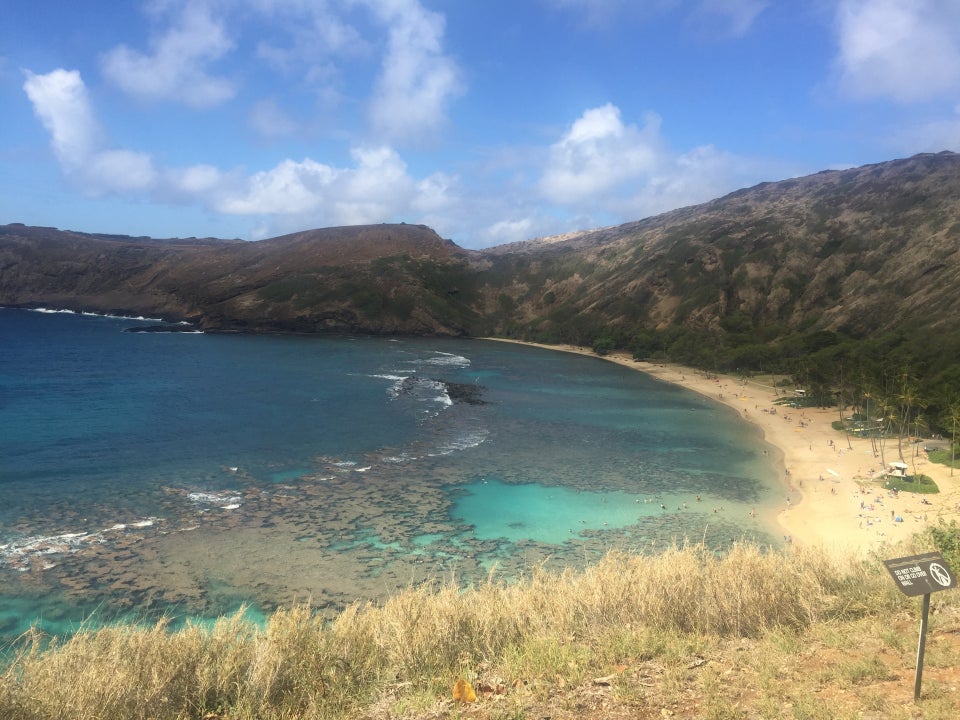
(417, 80)
(314, 33)
(61, 103)
(507, 231)
(907, 51)
(598, 153)
(193, 183)
(377, 188)
(176, 69)
(602, 165)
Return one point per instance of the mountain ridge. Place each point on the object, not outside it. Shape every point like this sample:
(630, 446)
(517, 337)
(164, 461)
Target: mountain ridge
(859, 251)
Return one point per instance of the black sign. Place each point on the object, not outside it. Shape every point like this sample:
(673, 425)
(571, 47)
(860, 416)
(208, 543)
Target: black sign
(921, 574)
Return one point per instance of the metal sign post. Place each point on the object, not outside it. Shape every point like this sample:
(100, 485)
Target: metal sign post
(921, 575)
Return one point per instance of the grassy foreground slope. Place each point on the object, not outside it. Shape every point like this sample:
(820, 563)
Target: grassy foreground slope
(684, 634)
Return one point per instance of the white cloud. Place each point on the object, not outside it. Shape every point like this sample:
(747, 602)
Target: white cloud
(599, 153)
(408, 99)
(614, 172)
(507, 231)
(378, 188)
(436, 193)
(907, 51)
(290, 187)
(121, 171)
(176, 69)
(310, 42)
(61, 102)
(417, 79)
(315, 32)
(194, 181)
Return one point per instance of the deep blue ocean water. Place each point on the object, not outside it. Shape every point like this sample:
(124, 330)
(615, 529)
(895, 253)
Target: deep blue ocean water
(182, 473)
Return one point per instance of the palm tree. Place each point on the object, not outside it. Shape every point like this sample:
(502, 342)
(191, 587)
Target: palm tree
(840, 408)
(908, 399)
(888, 417)
(954, 411)
(868, 418)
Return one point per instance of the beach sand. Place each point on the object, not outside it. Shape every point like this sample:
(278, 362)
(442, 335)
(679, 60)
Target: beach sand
(832, 496)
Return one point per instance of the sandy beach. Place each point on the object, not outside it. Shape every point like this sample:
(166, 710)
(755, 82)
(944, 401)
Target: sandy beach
(830, 494)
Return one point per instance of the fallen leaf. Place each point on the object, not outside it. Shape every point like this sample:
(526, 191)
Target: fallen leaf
(491, 688)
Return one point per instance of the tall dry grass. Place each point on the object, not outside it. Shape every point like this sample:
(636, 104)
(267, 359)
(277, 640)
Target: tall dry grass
(416, 643)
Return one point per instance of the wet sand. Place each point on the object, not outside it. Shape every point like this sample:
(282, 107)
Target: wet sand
(832, 493)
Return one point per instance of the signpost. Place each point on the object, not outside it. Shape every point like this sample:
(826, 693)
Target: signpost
(921, 575)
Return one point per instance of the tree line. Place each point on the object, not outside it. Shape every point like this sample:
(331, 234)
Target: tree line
(889, 388)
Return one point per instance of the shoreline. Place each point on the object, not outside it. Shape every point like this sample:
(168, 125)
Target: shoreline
(831, 497)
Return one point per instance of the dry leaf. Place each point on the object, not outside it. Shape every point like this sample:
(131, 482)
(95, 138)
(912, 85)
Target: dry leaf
(463, 692)
(491, 688)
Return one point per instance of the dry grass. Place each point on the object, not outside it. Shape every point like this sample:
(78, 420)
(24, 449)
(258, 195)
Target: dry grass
(745, 634)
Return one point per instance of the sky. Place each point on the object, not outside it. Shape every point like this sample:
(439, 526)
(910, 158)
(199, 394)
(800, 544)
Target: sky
(490, 121)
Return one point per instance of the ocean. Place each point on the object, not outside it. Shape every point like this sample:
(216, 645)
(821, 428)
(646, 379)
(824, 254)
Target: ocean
(189, 474)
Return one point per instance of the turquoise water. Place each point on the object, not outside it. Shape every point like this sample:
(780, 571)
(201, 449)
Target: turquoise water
(188, 474)
(514, 513)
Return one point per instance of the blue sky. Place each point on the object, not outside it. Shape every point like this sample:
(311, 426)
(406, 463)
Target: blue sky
(489, 120)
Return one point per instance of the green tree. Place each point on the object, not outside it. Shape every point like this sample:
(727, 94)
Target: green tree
(953, 418)
(910, 404)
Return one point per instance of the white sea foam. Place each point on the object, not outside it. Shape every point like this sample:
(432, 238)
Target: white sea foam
(421, 389)
(393, 392)
(445, 359)
(61, 311)
(398, 459)
(20, 552)
(444, 397)
(228, 497)
(469, 440)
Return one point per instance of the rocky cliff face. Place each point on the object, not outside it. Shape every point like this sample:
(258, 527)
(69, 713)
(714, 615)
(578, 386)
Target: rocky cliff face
(856, 251)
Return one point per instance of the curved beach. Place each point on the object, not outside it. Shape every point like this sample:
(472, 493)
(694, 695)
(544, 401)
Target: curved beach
(829, 496)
